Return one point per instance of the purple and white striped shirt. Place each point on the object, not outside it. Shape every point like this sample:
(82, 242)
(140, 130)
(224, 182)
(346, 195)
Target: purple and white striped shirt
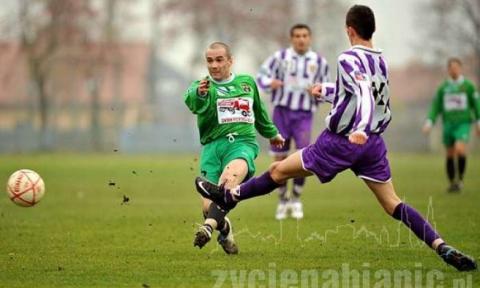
(297, 72)
(360, 95)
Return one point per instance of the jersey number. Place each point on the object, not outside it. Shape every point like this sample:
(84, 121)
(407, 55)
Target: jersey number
(378, 94)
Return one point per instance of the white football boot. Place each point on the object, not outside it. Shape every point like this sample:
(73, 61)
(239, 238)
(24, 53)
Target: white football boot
(226, 240)
(282, 210)
(297, 209)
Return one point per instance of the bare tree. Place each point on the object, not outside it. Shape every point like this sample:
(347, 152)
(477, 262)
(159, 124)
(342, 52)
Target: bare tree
(81, 36)
(327, 19)
(48, 29)
(40, 43)
(229, 21)
(452, 28)
(102, 52)
(262, 26)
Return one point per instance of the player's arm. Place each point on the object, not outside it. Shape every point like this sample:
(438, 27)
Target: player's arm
(358, 83)
(197, 96)
(322, 90)
(266, 75)
(474, 104)
(263, 123)
(435, 109)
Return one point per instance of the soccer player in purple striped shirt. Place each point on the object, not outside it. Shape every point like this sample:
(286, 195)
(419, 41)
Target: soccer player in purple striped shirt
(352, 140)
(287, 75)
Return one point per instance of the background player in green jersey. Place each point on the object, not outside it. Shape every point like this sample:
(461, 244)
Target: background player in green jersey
(229, 110)
(458, 103)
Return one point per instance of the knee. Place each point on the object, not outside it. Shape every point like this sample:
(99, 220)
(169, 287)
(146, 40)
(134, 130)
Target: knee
(461, 151)
(234, 173)
(232, 180)
(450, 152)
(229, 181)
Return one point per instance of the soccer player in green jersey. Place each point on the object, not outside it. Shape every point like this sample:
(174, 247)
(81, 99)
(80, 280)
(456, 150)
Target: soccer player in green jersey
(458, 103)
(229, 110)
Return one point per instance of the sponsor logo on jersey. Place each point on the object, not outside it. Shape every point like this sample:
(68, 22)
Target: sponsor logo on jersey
(359, 76)
(246, 88)
(456, 101)
(235, 110)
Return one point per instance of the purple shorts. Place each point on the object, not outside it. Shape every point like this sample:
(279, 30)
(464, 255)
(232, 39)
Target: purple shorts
(332, 153)
(292, 124)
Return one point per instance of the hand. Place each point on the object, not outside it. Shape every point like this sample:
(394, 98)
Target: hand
(315, 90)
(203, 87)
(277, 141)
(427, 127)
(276, 84)
(358, 137)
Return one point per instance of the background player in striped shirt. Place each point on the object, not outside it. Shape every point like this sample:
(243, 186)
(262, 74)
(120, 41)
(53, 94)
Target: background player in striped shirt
(352, 140)
(287, 75)
(459, 106)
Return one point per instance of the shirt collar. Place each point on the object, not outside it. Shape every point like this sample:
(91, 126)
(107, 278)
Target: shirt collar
(365, 48)
(297, 54)
(458, 81)
(228, 80)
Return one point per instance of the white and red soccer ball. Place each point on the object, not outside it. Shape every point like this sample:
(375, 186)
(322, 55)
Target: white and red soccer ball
(25, 187)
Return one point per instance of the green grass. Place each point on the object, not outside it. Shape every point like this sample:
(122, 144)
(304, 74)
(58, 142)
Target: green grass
(80, 235)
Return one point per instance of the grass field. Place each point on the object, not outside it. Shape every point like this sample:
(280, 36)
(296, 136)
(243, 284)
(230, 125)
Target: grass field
(81, 235)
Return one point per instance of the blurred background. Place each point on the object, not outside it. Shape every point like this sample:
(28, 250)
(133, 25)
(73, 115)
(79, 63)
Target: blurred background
(109, 75)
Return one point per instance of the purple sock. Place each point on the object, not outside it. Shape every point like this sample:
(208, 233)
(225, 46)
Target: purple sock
(410, 217)
(299, 181)
(257, 186)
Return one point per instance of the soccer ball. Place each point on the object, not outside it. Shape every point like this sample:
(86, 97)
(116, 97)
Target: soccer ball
(25, 187)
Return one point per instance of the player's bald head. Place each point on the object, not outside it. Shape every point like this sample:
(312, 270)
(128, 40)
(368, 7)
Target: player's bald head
(219, 60)
(221, 45)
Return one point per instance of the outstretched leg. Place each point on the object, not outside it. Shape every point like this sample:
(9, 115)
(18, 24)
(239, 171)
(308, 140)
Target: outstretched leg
(278, 174)
(390, 202)
(303, 163)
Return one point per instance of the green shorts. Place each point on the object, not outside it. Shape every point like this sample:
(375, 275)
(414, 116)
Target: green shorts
(218, 153)
(453, 132)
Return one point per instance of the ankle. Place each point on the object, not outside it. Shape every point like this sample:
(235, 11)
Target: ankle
(438, 246)
(211, 223)
(225, 230)
(208, 227)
